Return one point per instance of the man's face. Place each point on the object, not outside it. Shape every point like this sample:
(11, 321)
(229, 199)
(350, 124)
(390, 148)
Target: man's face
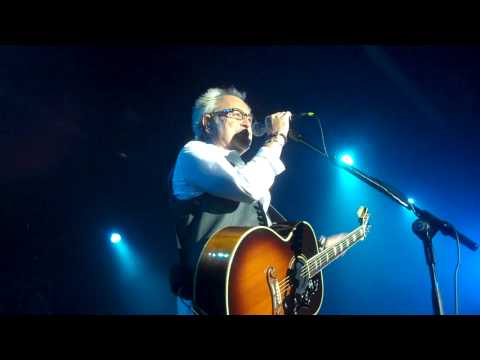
(232, 133)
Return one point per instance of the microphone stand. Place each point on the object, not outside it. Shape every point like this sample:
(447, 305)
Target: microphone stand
(425, 227)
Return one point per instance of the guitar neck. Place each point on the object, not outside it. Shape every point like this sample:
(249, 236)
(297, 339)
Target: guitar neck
(325, 257)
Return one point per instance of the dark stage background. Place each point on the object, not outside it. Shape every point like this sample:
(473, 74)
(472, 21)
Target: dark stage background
(89, 133)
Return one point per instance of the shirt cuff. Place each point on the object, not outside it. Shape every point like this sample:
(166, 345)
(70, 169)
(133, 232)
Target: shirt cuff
(273, 158)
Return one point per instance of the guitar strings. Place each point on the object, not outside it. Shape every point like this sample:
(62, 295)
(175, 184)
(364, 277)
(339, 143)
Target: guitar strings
(311, 263)
(323, 255)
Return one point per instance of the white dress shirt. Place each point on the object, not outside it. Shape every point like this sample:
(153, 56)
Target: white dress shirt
(203, 168)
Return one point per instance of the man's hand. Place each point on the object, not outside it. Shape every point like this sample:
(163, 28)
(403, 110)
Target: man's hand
(281, 122)
(333, 240)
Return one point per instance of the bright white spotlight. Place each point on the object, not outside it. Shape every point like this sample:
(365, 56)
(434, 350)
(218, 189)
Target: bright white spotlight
(411, 201)
(347, 159)
(115, 238)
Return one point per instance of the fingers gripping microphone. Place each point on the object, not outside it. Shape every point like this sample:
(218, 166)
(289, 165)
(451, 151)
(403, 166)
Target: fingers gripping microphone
(261, 128)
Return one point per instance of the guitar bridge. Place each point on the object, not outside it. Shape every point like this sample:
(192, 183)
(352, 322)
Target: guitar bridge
(275, 292)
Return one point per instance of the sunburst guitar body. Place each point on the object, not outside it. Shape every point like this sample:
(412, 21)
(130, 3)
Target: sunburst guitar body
(266, 270)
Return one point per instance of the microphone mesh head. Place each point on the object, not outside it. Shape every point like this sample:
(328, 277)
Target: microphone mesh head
(258, 129)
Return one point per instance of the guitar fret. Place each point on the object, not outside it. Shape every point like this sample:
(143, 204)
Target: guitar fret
(323, 258)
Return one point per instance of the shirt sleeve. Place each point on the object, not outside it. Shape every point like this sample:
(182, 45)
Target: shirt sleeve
(207, 170)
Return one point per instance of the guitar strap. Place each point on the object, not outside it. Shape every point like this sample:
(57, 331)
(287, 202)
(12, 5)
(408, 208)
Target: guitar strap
(275, 215)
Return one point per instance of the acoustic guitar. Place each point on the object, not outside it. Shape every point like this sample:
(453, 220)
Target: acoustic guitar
(267, 270)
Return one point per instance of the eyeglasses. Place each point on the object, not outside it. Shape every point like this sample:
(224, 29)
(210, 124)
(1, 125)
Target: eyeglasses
(234, 113)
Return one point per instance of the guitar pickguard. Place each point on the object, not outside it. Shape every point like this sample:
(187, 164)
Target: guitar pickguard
(300, 296)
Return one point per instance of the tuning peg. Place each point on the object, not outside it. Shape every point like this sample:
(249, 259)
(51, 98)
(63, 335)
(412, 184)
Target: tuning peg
(361, 211)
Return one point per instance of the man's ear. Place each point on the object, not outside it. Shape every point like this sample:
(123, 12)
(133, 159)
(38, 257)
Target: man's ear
(206, 123)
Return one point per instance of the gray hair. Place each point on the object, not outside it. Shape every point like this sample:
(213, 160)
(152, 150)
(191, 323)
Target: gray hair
(207, 103)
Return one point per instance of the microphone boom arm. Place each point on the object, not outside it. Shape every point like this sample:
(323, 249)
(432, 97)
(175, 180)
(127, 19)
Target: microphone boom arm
(445, 227)
(425, 227)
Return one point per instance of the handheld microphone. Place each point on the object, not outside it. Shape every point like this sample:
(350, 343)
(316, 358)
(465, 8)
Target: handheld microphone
(265, 127)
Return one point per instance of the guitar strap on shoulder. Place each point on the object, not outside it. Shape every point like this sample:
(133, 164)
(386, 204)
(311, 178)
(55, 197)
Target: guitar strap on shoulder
(275, 215)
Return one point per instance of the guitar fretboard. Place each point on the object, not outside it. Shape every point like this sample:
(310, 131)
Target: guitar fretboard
(316, 263)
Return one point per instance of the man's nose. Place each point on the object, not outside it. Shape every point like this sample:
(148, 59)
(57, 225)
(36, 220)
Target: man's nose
(246, 123)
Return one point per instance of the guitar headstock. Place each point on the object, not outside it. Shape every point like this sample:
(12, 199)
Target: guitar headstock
(363, 218)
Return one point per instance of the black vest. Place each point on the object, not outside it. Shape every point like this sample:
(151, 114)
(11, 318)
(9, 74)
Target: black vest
(197, 219)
